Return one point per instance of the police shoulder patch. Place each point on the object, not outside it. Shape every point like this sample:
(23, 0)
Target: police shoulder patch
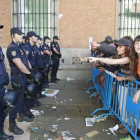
(13, 53)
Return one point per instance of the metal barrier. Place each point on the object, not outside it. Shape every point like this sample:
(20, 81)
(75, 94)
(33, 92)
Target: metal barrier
(117, 98)
(96, 86)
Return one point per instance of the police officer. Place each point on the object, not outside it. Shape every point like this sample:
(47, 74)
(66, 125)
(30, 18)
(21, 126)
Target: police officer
(39, 64)
(24, 40)
(47, 56)
(55, 57)
(3, 81)
(32, 38)
(19, 71)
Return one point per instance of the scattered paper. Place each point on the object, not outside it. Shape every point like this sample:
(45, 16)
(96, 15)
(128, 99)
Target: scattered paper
(116, 127)
(54, 107)
(45, 135)
(55, 127)
(69, 79)
(42, 112)
(90, 121)
(93, 133)
(66, 118)
(58, 119)
(35, 112)
(67, 136)
(50, 92)
(34, 129)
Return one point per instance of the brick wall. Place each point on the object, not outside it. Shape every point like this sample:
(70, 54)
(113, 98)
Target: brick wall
(81, 19)
(5, 19)
(86, 18)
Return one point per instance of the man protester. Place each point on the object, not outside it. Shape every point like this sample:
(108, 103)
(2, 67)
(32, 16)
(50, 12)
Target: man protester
(56, 55)
(19, 71)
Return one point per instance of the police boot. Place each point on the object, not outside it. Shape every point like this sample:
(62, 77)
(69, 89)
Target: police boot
(14, 128)
(53, 81)
(57, 79)
(24, 118)
(37, 102)
(4, 136)
(29, 114)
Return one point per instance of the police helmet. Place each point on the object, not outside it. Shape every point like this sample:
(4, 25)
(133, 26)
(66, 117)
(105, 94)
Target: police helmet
(37, 78)
(30, 89)
(10, 98)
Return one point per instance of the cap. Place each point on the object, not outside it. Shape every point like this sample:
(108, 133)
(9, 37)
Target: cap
(115, 41)
(25, 37)
(31, 33)
(46, 37)
(108, 38)
(16, 30)
(55, 37)
(124, 42)
(1, 26)
(38, 37)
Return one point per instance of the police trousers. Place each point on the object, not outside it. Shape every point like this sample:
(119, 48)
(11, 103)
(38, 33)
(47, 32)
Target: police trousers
(21, 81)
(55, 68)
(2, 108)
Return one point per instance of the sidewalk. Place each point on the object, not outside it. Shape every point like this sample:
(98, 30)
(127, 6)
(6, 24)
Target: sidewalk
(75, 104)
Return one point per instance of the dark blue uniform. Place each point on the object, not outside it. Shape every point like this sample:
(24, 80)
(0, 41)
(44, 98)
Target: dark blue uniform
(30, 53)
(55, 58)
(17, 77)
(46, 58)
(3, 81)
(38, 57)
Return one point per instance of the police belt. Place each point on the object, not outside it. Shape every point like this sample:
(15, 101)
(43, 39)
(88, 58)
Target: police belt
(19, 75)
(1, 86)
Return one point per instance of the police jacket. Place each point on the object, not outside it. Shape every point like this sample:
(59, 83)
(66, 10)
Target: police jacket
(46, 57)
(16, 51)
(4, 78)
(30, 53)
(37, 55)
(57, 47)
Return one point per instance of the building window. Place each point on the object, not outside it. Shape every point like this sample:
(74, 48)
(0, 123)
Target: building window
(36, 15)
(128, 20)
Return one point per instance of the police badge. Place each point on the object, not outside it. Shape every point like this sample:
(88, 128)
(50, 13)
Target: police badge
(13, 53)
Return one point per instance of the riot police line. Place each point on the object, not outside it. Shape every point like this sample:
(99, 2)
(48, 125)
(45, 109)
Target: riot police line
(31, 62)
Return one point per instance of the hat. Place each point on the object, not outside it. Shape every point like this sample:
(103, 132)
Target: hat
(124, 42)
(38, 37)
(46, 37)
(25, 37)
(55, 37)
(108, 38)
(31, 33)
(16, 30)
(1, 26)
(115, 41)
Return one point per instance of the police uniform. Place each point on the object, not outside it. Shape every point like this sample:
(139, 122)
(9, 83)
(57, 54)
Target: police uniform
(18, 81)
(4, 80)
(55, 58)
(46, 58)
(31, 57)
